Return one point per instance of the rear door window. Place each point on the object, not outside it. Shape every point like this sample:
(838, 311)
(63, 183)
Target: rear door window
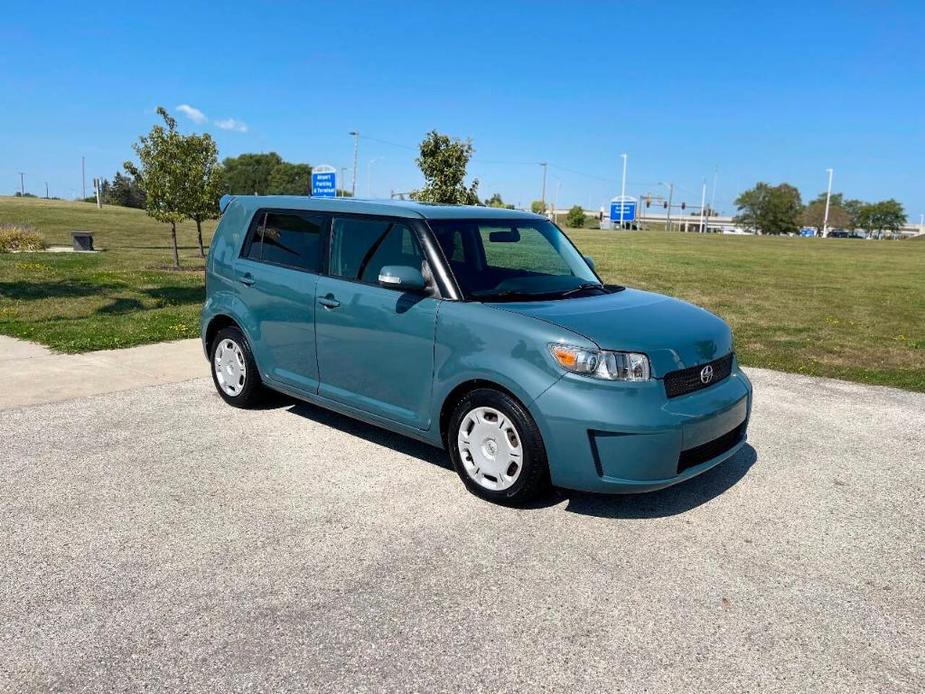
(288, 239)
(360, 247)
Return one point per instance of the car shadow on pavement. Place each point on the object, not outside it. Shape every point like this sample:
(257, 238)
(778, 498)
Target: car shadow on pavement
(680, 498)
(666, 502)
(371, 433)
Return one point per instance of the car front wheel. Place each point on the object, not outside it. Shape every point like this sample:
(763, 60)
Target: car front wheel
(497, 448)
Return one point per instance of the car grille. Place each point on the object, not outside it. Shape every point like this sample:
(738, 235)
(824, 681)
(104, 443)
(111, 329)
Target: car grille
(710, 449)
(686, 381)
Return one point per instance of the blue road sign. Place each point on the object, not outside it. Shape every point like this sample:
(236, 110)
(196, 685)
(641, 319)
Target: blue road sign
(324, 182)
(629, 209)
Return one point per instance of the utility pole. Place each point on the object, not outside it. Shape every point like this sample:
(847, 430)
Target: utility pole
(22, 185)
(46, 190)
(356, 152)
(555, 204)
(96, 185)
(703, 201)
(83, 177)
(828, 196)
(545, 165)
(623, 191)
(670, 197)
(343, 179)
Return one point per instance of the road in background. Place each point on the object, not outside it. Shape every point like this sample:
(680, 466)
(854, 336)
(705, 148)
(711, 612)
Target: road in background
(158, 538)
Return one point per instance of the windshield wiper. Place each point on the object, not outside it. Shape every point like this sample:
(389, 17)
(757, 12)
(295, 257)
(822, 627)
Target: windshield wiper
(582, 287)
(510, 294)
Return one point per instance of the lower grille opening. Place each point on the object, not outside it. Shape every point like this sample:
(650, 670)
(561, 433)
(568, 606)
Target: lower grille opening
(710, 449)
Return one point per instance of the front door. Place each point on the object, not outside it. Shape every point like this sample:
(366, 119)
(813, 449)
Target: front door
(277, 275)
(375, 344)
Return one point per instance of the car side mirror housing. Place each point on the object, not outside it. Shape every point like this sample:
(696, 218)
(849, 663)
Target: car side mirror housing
(590, 261)
(403, 277)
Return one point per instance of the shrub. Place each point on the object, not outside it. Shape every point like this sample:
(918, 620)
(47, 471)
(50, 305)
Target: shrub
(575, 217)
(19, 237)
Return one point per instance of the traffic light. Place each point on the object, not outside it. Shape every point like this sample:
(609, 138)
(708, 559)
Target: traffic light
(648, 201)
(683, 205)
(665, 205)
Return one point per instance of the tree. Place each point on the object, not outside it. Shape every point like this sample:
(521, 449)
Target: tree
(443, 162)
(163, 174)
(249, 174)
(291, 179)
(538, 207)
(204, 180)
(123, 191)
(814, 216)
(496, 201)
(770, 209)
(886, 215)
(575, 217)
(853, 210)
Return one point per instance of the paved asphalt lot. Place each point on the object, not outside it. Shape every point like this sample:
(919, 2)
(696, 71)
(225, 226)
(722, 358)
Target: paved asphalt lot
(156, 538)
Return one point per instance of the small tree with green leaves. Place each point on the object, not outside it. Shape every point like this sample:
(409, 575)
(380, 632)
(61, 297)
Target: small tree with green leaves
(538, 207)
(814, 216)
(575, 217)
(163, 174)
(204, 180)
(886, 215)
(770, 209)
(443, 161)
(497, 201)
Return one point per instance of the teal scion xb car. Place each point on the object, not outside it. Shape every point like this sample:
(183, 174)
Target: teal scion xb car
(479, 330)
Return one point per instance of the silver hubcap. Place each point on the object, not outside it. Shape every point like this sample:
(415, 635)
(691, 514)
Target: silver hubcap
(230, 368)
(490, 449)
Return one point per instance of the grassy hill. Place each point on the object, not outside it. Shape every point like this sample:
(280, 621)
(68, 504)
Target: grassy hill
(833, 307)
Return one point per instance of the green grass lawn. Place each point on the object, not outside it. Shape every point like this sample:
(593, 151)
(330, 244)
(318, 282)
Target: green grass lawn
(833, 307)
(123, 296)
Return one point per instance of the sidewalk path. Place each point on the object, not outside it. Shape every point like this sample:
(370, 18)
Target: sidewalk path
(34, 374)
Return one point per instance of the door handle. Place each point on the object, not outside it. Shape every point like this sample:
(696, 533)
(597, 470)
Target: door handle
(247, 278)
(328, 302)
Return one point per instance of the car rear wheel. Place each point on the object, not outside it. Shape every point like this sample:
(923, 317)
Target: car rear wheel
(497, 448)
(234, 370)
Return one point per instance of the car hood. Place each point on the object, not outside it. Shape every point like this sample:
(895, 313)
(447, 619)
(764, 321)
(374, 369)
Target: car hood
(674, 333)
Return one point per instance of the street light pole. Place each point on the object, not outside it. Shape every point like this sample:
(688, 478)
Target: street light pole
(623, 191)
(703, 201)
(828, 196)
(356, 151)
(83, 176)
(22, 185)
(545, 166)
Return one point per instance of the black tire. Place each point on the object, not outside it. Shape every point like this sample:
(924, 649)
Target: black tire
(533, 479)
(251, 392)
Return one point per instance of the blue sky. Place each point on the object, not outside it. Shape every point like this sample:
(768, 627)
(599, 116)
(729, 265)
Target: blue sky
(774, 93)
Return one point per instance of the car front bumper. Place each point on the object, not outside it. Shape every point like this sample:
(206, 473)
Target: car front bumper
(629, 437)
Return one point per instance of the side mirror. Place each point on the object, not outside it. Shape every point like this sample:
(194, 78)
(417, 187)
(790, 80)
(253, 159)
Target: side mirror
(403, 277)
(590, 261)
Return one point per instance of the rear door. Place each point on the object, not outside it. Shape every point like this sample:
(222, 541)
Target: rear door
(277, 272)
(375, 344)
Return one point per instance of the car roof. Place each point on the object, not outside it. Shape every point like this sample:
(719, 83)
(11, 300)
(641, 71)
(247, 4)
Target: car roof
(408, 209)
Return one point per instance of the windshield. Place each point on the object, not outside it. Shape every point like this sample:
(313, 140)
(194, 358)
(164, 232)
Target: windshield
(513, 260)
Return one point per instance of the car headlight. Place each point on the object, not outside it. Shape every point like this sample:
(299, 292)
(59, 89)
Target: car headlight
(609, 366)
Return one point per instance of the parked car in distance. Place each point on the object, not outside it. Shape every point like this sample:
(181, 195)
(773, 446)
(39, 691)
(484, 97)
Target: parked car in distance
(479, 330)
(838, 234)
